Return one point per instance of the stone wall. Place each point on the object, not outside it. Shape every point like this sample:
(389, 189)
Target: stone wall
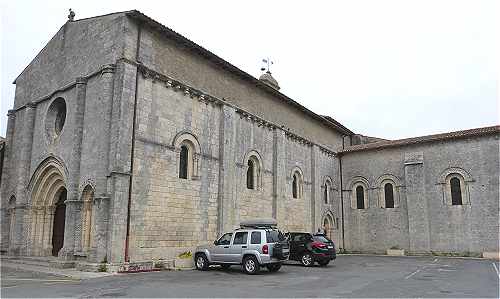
(425, 220)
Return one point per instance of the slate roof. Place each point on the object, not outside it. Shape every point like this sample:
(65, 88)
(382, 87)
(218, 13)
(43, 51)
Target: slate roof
(423, 139)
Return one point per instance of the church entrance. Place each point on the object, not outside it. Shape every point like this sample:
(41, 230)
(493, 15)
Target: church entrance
(47, 209)
(58, 226)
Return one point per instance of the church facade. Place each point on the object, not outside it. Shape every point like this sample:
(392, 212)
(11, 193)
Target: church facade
(129, 142)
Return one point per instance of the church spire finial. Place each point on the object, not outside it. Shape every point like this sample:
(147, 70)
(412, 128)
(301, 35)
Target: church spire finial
(71, 16)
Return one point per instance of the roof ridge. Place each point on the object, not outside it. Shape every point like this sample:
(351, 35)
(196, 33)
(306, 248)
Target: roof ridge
(425, 138)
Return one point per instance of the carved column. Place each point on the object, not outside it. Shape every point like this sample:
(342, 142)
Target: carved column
(23, 166)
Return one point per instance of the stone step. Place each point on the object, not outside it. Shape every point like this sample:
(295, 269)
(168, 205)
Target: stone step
(41, 261)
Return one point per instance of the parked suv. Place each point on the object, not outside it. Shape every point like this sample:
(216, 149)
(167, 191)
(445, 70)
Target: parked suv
(255, 244)
(308, 248)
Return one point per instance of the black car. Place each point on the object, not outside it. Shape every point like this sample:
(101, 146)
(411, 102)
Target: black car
(308, 248)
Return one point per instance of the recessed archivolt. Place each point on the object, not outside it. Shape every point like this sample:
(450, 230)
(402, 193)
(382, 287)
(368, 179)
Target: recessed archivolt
(454, 170)
(184, 136)
(358, 180)
(46, 186)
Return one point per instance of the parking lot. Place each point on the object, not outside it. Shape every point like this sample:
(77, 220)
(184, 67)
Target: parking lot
(348, 276)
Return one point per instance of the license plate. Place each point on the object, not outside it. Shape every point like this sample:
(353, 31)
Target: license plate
(330, 246)
(285, 250)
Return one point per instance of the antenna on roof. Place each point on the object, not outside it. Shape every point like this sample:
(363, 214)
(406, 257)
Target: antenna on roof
(267, 66)
(71, 16)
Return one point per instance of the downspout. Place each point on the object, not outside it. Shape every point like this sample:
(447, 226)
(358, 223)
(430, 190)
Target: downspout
(342, 195)
(129, 202)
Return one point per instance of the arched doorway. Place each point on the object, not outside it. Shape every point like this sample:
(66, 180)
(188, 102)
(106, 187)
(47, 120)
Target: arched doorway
(328, 226)
(48, 209)
(58, 225)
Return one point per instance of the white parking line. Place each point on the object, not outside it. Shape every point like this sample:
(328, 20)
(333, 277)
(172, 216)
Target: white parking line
(413, 273)
(418, 270)
(496, 269)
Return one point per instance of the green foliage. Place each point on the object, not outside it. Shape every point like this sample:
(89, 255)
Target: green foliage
(186, 255)
(102, 268)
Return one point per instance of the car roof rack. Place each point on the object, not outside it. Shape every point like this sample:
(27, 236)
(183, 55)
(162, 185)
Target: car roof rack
(259, 223)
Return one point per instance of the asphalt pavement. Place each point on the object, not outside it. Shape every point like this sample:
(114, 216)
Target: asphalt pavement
(349, 276)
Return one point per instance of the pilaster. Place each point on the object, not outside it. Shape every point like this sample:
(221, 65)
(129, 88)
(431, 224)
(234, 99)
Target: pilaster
(418, 212)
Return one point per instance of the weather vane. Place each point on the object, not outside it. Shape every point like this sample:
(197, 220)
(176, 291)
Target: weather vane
(267, 66)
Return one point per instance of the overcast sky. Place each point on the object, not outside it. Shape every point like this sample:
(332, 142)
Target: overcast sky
(390, 69)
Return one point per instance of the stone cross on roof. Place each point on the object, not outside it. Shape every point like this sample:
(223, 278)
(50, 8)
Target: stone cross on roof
(71, 16)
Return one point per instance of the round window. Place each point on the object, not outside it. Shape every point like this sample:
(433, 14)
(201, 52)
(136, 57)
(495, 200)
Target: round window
(56, 117)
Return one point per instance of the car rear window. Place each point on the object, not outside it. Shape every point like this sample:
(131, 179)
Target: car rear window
(321, 239)
(273, 236)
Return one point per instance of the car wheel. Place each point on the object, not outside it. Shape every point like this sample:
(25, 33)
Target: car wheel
(225, 266)
(273, 267)
(251, 265)
(307, 259)
(201, 262)
(323, 263)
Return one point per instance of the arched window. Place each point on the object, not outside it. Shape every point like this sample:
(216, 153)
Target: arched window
(250, 175)
(183, 162)
(327, 190)
(389, 195)
(325, 195)
(360, 197)
(295, 186)
(456, 191)
(189, 153)
(297, 183)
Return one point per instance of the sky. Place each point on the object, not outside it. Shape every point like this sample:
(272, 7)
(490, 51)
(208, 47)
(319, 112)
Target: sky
(390, 69)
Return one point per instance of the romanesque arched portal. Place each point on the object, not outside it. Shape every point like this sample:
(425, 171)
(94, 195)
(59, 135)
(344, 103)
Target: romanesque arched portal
(48, 209)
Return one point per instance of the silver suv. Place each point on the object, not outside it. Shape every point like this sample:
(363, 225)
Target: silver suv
(255, 244)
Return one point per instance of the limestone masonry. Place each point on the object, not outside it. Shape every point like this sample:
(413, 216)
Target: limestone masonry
(129, 142)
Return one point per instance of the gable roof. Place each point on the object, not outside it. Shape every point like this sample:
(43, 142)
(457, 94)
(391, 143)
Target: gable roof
(192, 46)
(423, 139)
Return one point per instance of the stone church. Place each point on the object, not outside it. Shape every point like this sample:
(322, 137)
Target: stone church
(129, 142)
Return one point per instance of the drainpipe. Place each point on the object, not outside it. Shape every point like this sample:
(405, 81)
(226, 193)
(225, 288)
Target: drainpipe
(342, 195)
(129, 201)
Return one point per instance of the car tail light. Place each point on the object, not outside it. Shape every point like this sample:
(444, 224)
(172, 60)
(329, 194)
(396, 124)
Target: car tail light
(265, 249)
(318, 245)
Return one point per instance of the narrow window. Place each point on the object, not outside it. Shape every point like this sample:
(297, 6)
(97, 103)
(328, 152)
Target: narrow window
(456, 192)
(250, 175)
(183, 165)
(389, 195)
(326, 194)
(360, 197)
(294, 186)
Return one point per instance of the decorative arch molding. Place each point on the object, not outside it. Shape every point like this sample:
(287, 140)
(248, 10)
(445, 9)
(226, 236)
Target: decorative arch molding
(356, 180)
(188, 139)
(445, 182)
(454, 170)
(396, 186)
(184, 136)
(256, 158)
(50, 175)
(328, 223)
(84, 184)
